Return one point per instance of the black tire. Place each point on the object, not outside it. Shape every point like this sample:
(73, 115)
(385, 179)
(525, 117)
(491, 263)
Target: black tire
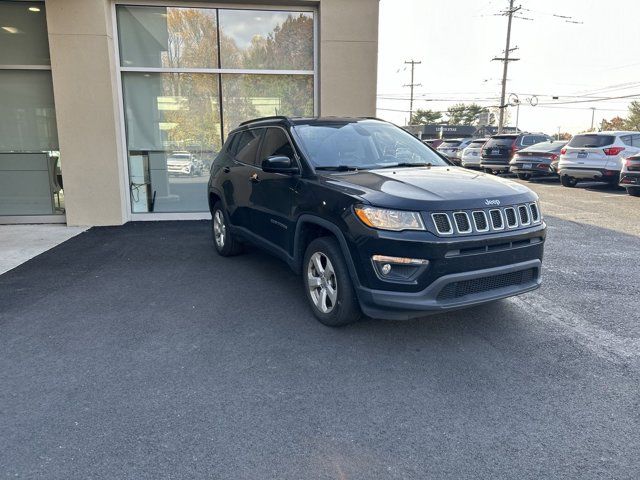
(568, 181)
(334, 275)
(524, 176)
(228, 245)
(487, 170)
(633, 191)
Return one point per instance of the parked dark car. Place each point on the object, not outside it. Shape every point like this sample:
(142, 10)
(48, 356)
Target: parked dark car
(535, 161)
(433, 142)
(630, 175)
(374, 220)
(499, 149)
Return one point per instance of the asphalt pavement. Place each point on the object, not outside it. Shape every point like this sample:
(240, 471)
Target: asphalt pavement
(136, 352)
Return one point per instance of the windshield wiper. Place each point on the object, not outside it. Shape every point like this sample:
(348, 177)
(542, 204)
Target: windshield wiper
(407, 164)
(339, 168)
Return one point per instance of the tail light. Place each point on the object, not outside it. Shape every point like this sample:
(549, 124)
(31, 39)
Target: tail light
(613, 150)
(554, 156)
(563, 151)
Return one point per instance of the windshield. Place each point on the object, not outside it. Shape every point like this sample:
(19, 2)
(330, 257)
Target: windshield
(363, 145)
(591, 141)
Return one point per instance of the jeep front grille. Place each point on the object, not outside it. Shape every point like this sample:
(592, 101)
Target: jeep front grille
(510, 213)
(442, 223)
(524, 215)
(482, 221)
(462, 222)
(496, 219)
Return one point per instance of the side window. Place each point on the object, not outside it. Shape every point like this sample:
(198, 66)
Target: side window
(275, 143)
(635, 140)
(626, 140)
(246, 146)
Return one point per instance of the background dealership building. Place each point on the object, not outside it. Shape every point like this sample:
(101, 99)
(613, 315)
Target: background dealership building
(111, 111)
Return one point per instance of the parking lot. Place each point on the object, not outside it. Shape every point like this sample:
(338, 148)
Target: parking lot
(137, 352)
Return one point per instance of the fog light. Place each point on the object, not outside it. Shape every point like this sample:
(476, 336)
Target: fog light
(398, 268)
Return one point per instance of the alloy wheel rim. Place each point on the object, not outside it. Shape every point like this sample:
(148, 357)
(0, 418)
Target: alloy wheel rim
(322, 282)
(219, 228)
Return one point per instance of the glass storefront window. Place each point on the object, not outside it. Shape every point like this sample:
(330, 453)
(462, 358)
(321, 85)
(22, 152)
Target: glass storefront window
(23, 34)
(252, 96)
(168, 37)
(30, 171)
(267, 40)
(177, 116)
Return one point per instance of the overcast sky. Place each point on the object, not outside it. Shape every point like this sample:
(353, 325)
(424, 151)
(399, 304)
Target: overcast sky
(456, 40)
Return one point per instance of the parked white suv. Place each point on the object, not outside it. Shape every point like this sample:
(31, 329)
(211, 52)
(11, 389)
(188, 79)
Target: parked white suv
(472, 155)
(596, 156)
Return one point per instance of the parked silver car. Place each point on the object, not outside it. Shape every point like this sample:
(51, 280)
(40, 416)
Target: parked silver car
(452, 148)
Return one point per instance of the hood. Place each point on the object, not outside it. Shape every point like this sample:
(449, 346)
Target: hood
(424, 188)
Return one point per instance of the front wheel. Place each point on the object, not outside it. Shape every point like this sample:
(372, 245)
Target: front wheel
(633, 191)
(226, 245)
(568, 181)
(328, 285)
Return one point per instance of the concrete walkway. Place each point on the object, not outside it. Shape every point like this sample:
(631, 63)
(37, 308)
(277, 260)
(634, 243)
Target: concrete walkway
(19, 243)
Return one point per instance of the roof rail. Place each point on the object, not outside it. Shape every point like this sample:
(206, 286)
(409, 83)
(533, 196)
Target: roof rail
(273, 117)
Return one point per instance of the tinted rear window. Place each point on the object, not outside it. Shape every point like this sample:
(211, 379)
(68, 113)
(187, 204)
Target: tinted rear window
(591, 141)
(477, 143)
(500, 142)
(451, 143)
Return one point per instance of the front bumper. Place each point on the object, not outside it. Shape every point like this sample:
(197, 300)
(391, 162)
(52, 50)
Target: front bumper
(457, 273)
(453, 291)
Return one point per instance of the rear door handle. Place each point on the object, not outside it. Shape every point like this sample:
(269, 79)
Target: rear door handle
(254, 178)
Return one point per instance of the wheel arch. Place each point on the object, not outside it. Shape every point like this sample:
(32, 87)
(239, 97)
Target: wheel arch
(309, 227)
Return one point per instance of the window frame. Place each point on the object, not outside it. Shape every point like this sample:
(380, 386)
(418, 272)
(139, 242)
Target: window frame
(119, 70)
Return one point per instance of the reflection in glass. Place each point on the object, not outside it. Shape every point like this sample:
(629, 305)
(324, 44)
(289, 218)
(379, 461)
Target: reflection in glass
(173, 133)
(271, 40)
(27, 111)
(23, 34)
(167, 37)
(250, 96)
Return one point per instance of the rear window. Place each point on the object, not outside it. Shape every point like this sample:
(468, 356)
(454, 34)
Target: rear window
(451, 143)
(500, 142)
(591, 141)
(477, 143)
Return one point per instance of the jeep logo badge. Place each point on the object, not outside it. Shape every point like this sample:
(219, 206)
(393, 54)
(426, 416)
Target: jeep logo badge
(492, 202)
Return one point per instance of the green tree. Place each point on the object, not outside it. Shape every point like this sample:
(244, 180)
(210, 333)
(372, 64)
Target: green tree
(633, 119)
(464, 114)
(425, 116)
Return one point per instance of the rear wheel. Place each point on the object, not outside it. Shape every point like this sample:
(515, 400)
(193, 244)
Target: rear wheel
(226, 245)
(633, 191)
(524, 176)
(568, 181)
(328, 285)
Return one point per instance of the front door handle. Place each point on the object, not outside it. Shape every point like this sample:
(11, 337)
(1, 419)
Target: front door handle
(254, 178)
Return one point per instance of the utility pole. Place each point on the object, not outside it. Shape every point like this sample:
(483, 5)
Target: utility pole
(505, 60)
(593, 116)
(413, 63)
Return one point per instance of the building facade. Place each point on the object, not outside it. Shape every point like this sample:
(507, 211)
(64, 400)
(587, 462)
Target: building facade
(112, 111)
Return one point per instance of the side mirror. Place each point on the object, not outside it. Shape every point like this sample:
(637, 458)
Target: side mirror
(279, 164)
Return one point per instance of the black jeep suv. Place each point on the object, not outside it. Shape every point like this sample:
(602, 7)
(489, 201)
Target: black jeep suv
(377, 222)
(498, 151)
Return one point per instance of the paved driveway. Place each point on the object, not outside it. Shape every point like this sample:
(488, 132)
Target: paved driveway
(137, 353)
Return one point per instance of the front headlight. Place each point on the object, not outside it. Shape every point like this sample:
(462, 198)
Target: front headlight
(385, 219)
